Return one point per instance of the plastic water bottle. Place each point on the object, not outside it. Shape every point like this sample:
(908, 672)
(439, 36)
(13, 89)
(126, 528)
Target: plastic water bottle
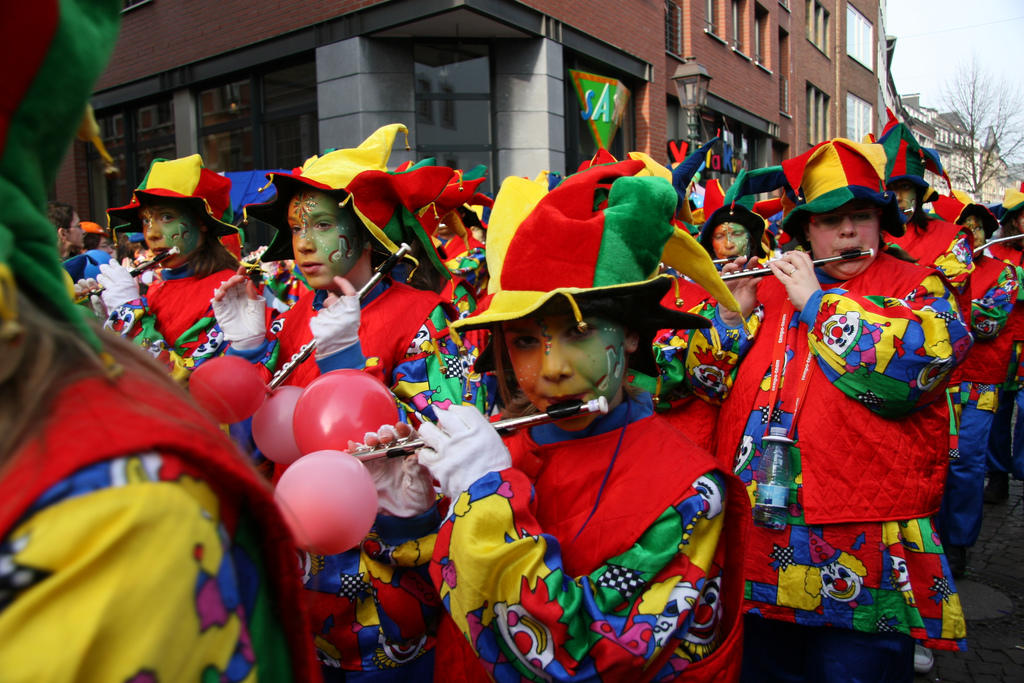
(774, 478)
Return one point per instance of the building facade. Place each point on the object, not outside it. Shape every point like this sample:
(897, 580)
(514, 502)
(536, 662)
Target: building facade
(521, 87)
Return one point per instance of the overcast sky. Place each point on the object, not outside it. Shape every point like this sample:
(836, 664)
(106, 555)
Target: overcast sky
(934, 35)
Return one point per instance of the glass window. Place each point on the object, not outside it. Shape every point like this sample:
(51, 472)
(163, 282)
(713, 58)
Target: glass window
(225, 103)
(859, 37)
(265, 120)
(738, 16)
(761, 48)
(291, 87)
(817, 24)
(134, 136)
(453, 104)
(711, 16)
(817, 115)
(859, 116)
(673, 28)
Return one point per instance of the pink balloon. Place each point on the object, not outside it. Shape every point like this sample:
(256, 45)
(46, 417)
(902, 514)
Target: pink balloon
(341, 406)
(230, 388)
(328, 500)
(272, 426)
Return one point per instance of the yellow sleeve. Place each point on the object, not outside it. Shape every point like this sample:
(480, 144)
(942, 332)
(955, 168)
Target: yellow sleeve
(123, 579)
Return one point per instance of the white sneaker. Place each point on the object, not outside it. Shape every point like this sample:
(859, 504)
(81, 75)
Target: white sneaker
(923, 659)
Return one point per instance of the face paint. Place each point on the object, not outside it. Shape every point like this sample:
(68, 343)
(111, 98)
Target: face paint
(327, 239)
(730, 240)
(554, 361)
(170, 224)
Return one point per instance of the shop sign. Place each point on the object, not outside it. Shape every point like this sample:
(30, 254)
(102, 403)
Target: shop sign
(603, 103)
(726, 161)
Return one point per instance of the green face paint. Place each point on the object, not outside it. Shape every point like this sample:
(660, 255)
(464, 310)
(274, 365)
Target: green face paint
(730, 240)
(168, 224)
(326, 238)
(555, 361)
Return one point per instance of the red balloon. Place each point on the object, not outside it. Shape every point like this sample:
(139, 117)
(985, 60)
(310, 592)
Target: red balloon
(272, 426)
(339, 407)
(328, 500)
(230, 388)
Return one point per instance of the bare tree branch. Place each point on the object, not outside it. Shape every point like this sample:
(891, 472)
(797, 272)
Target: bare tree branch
(990, 112)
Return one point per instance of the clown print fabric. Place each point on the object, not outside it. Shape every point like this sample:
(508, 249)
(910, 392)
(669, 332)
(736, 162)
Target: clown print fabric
(174, 321)
(892, 356)
(150, 531)
(653, 608)
(373, 608)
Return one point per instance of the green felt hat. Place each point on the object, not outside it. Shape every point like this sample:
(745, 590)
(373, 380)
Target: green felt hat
(54, 52)
(595, 242)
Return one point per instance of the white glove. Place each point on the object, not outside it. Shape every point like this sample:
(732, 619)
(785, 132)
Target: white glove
(465, 448)
(241, 319)
(119, 287)
(404, 487)
(336, 326)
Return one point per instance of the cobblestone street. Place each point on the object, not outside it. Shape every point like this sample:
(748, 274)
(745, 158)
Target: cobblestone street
(993, 600)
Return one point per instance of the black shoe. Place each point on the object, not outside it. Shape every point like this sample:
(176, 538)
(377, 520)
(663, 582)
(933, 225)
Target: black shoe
(998, 488)
(956, 555)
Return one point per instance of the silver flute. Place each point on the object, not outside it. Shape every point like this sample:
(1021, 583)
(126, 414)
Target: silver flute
(845, 256)
(134, 272)
(978, 250)
(559, 411)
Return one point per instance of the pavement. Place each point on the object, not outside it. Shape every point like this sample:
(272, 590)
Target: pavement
(992, 595)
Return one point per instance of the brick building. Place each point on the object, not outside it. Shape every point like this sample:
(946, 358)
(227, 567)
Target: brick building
(258, 84)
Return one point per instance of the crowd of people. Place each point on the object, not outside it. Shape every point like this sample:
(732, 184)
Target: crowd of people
(801, 401)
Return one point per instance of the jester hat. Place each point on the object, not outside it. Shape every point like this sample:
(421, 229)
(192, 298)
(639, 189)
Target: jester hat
(1013, 201)
(906, 159)
(54, 52)
(958, 206)
(732, 207)
(595, 241)
(183, 180)
(835, 172)
(389, 204)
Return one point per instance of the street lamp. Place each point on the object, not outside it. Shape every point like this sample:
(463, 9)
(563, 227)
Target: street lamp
(692, 81)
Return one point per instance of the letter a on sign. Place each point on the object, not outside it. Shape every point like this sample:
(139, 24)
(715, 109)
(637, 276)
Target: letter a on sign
(603, 103)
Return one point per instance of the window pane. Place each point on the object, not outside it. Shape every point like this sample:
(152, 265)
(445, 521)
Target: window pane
(228, 151)
(288, 142)
(228, 102)
(453, 68)
(457, 122)
(154, 121)
(291, 87)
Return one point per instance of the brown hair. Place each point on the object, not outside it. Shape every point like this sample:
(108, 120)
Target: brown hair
(47, 356)
(211, 256)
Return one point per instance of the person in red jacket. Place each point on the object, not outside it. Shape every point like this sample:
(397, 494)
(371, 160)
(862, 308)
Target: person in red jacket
(178, 204)
(850, 363)
(931, 242)
(1006, 443)
(373, 613)
(975, 384)
(135, 542)
(600, 547)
